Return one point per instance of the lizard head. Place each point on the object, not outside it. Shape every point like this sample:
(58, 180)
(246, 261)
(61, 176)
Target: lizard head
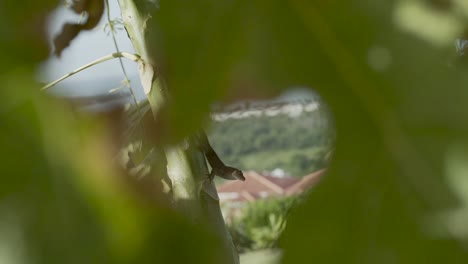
(238, 174)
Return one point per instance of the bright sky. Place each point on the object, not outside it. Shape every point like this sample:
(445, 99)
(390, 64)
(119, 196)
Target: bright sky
(88, 46)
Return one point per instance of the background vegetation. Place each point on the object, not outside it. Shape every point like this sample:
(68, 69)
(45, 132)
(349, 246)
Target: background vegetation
(260, 223)
(298, 145)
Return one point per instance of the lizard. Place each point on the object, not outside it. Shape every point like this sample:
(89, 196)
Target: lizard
(136, 115)
(217, 166)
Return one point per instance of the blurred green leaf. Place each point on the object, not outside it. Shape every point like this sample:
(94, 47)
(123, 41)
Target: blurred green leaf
(62, 200)
(382, 66)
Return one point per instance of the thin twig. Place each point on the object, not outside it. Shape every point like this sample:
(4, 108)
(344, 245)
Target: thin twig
(130, 56)
(127, 80)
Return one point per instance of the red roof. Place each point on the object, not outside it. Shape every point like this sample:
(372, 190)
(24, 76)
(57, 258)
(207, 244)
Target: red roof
(305, 183)
(257, 186)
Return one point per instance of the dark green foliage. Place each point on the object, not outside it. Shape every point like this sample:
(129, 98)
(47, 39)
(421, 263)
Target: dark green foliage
(395, 191)
(61, 199)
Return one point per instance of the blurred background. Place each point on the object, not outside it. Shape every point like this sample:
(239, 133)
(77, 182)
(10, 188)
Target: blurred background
(348, 119)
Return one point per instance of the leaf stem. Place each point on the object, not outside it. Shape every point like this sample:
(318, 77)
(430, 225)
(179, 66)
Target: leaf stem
(130, 56)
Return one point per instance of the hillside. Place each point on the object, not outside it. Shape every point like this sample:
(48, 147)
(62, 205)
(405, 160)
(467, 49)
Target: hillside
(297, 144)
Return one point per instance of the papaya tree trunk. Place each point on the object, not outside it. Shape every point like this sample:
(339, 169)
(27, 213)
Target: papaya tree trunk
(191, 194)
